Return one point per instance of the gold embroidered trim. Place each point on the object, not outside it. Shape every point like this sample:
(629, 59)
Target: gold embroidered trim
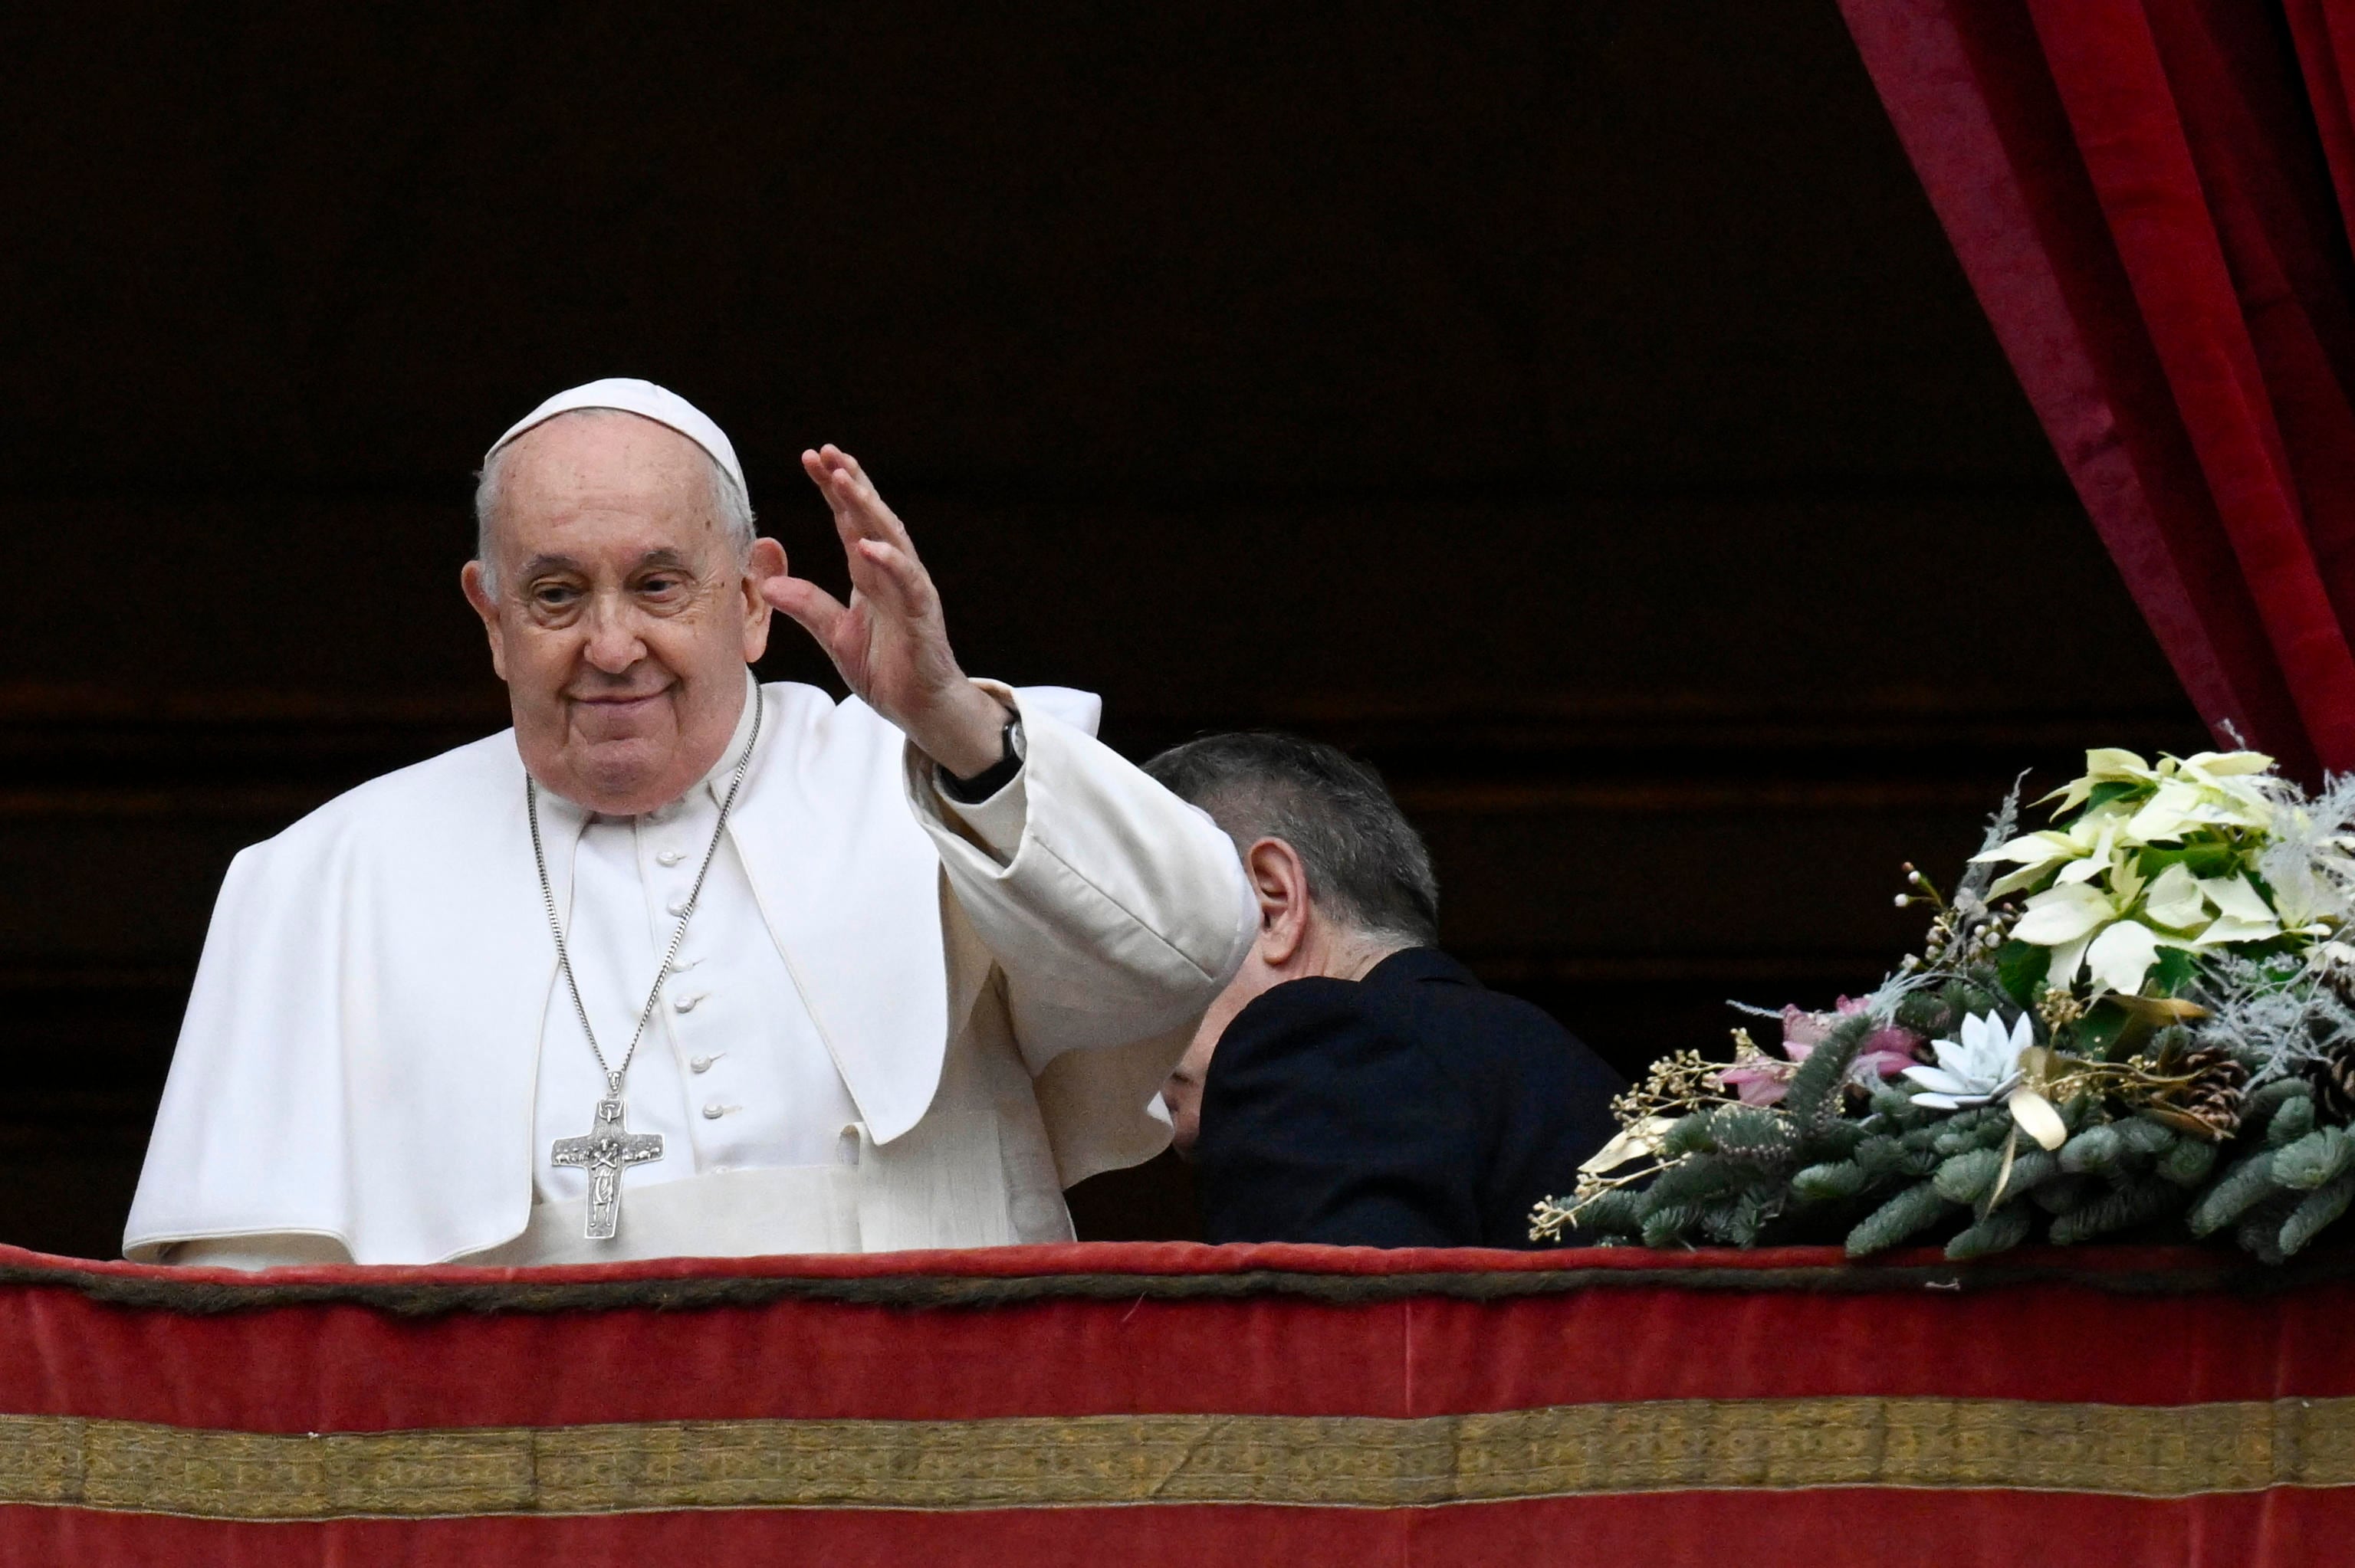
(2144, 1451)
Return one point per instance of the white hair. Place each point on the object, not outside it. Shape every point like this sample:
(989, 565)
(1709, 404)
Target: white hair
(735, 509)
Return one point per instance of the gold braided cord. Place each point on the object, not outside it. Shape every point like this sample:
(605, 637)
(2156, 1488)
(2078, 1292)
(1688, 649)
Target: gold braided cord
(2139, 1451)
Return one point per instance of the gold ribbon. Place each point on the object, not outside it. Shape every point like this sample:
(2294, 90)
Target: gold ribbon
(1571, 1450)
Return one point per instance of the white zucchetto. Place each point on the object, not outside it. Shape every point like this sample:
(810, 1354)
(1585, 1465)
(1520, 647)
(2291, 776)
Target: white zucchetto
(646, 400)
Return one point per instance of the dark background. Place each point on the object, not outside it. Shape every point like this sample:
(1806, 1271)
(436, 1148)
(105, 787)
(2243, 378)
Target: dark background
(1574, 408)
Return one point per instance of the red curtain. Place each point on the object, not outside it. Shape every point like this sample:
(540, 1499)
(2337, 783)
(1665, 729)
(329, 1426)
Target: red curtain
(2150, 197)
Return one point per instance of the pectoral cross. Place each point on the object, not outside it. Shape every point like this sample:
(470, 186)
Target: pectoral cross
(607, 1150)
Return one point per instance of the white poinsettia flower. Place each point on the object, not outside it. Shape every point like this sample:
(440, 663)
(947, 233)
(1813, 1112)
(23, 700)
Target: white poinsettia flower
(2105, 765)
(2176, 901)
(2105, 846)
(2185, 804)
(2071, 912)
(2227, 764)
(2120, 957)
(2241, 915)
(2081, 851)
(2218, 788)
(2174, 809)
(2088, 926)
(2235, 896)
(1976, 1069)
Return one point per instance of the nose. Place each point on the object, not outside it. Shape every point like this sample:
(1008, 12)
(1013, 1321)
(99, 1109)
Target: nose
(615, 643)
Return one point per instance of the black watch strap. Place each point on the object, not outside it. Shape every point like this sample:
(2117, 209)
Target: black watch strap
(995, 776)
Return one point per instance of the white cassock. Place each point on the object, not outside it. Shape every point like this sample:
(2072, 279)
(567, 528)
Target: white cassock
(887, 1027)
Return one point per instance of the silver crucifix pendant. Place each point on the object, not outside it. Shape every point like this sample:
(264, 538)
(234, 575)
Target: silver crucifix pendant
(607, 1152)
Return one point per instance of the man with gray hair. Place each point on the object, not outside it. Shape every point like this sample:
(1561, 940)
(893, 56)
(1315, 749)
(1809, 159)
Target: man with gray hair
(786, 974)
(1354, 1085)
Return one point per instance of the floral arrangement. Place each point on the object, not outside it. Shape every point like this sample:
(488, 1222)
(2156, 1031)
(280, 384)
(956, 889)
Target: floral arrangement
(2138, 1019)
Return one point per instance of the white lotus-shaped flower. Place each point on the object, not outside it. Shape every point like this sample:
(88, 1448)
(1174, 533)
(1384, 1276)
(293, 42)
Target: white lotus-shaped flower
(1987, 1065)
(1977, 1069)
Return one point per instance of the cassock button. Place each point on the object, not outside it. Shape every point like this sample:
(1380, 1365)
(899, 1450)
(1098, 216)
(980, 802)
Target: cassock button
(668, 857)
(698, 1065)
(677, 906)
(685, 1003)
(714, 1110)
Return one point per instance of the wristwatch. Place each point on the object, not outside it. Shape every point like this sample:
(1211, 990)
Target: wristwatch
(995, 776)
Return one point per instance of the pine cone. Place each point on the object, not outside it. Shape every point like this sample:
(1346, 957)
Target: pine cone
(2334, 1083)
(2213, 1099)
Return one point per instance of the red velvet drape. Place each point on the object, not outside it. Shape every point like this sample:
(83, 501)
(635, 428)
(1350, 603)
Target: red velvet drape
(1175, 1406)
(2150, 197)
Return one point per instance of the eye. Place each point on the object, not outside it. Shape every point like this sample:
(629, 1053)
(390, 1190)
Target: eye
(554, 596)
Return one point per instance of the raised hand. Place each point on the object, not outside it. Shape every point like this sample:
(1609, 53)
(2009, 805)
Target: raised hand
(890, 642)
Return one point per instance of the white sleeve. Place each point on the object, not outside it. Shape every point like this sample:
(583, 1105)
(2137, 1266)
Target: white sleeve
(1117, 910)
(291, 1250)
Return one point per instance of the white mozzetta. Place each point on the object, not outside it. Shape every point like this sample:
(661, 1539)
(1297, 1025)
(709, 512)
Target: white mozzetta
(377, 999)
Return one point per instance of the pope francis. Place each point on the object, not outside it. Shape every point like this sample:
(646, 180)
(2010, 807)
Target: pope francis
(683, 964)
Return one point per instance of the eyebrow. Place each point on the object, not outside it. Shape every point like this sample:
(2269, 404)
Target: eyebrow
(663, 557)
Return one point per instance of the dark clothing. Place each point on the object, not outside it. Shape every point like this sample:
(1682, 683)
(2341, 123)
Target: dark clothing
(1414, 1108)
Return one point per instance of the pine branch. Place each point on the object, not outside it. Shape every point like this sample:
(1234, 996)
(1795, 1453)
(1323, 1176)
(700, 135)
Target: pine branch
(2321, 1206)
(2314, 1161)
(2137, 1203)
(1914, 1210)
(2247, 1183)
(1816, 1089)
(2000, 1231)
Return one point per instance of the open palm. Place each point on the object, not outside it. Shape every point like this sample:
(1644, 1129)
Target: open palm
(890, 642)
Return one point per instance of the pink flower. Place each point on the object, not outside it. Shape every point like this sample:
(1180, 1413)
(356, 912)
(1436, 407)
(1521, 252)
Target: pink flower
(1889, 1052)
(1803, 1032)
(1758, 1080)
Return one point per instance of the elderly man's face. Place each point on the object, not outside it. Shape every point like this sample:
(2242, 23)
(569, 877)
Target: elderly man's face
(621, 620)
(1182, 1093)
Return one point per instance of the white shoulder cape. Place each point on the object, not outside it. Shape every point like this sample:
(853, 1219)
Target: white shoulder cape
(359, 1051)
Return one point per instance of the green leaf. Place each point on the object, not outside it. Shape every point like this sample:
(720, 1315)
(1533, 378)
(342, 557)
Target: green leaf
(2102, 795)
(2094, 1035)
(2174, 972)
(2022, 968)
(2199, 859)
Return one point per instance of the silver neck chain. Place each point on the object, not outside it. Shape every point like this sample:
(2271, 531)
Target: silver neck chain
(613, 1075)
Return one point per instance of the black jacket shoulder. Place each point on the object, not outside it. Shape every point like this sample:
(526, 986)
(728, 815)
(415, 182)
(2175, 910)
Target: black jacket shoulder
(1414, 1108)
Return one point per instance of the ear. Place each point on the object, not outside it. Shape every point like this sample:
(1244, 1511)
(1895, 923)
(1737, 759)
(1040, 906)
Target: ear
(767, 565)
(470, 583)
(1280, 882)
